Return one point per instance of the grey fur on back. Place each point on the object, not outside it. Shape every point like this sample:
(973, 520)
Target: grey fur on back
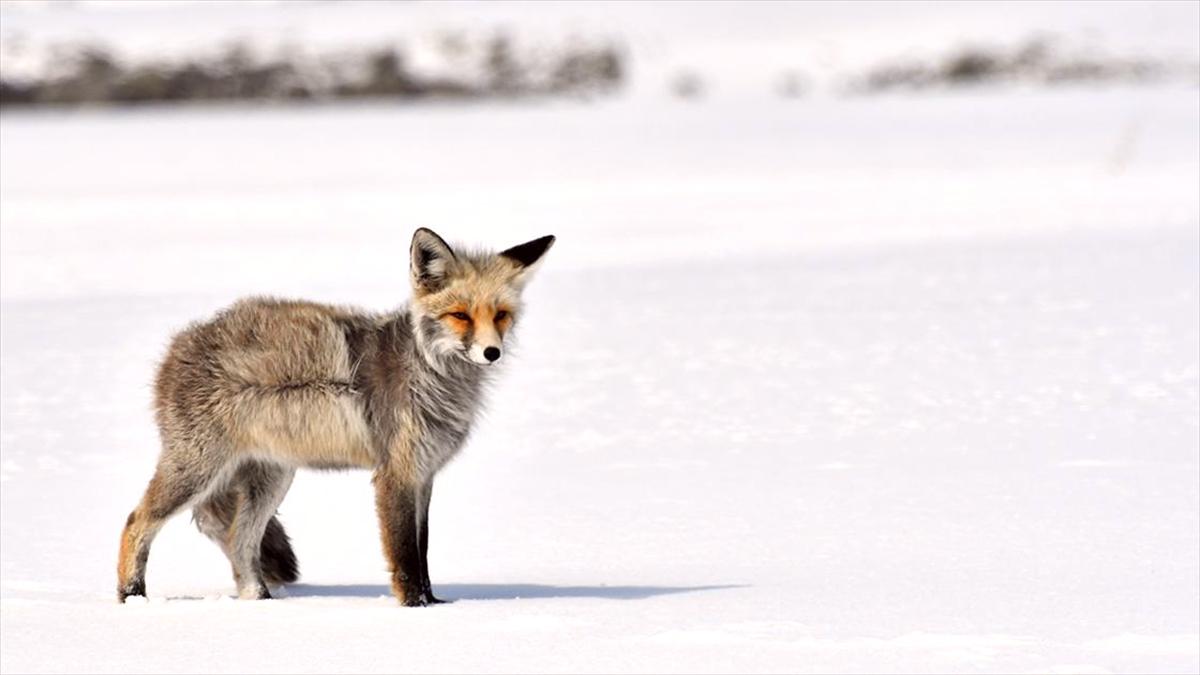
(278, 377)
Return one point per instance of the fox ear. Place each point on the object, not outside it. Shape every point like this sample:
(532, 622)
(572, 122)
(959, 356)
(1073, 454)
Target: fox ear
(432, 261)
(526, 256)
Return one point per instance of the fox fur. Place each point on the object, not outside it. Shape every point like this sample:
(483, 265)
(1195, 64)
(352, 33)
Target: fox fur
(269, 386)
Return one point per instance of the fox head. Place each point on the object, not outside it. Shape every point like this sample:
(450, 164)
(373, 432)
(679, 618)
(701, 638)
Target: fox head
(465, 302)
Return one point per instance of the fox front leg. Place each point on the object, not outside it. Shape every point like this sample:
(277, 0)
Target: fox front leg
(423, 524)
(398, 504)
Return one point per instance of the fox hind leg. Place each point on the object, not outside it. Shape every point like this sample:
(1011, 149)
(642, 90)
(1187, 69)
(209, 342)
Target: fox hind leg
(181, 477)
(261, 487)
(214, 517)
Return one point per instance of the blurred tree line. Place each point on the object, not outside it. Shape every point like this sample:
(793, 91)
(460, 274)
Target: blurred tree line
(1037, 61)
(492, 68)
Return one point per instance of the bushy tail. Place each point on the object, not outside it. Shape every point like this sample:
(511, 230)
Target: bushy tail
(278, 560)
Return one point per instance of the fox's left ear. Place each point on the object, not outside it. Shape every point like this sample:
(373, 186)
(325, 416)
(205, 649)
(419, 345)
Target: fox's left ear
(527, 256)
(433, 261)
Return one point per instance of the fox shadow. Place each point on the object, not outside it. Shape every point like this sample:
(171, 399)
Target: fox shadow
(502, 591)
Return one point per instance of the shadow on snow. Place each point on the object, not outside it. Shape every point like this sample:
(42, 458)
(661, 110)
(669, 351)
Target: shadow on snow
(502, 591)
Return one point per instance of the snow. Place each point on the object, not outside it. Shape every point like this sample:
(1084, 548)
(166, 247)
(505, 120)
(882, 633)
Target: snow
(902, 384)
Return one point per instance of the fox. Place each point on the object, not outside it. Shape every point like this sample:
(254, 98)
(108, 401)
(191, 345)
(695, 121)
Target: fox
(268, 386)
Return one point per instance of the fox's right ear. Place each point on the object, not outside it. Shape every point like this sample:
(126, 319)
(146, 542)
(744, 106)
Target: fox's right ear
(432, 261)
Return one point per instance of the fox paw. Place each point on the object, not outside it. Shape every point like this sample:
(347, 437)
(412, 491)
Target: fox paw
(424, 599)
(131, 589)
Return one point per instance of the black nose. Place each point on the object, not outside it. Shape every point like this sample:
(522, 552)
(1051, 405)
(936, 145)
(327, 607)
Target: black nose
(491, 353)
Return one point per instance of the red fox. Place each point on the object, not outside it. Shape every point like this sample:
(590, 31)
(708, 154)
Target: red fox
(267, 386)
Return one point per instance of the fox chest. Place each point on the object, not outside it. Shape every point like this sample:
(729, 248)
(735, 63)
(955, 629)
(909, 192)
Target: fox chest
(440, 426)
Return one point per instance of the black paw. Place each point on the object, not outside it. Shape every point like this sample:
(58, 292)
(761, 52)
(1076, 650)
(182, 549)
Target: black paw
(424, 599)
(133, 588)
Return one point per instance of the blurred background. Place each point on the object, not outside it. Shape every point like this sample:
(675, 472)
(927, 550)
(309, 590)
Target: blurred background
(869, 342)
(703, 129)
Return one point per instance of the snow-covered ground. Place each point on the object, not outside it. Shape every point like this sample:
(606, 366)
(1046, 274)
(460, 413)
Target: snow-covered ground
(899, 384)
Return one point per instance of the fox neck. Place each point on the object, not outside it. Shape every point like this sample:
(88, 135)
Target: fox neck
(445, 392)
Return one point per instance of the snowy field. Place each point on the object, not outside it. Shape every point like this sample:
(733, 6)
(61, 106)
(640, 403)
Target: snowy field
(901, 384)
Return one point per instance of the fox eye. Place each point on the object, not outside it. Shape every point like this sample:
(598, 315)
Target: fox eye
(461, 316)
(501, 315)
